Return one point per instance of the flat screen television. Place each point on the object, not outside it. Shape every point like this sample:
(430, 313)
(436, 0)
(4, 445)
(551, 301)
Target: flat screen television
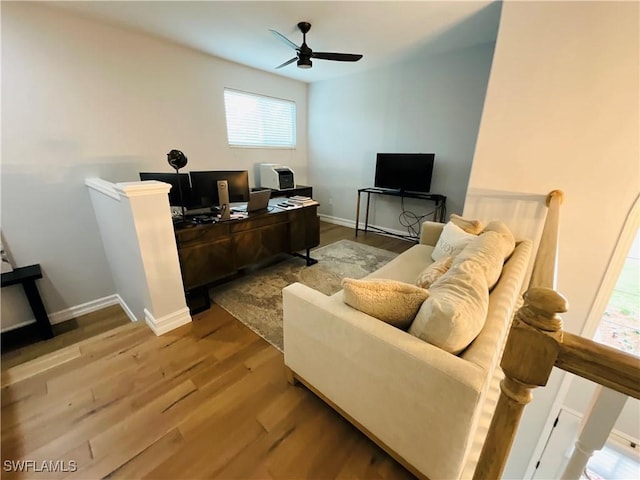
(172, 179)
(204, 186)
(407, 172)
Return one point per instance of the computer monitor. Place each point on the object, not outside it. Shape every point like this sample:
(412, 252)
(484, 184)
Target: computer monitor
(172, 179)
(204, 186)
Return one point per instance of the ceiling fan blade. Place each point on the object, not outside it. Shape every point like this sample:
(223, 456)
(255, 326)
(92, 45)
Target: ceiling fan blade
(284, 39)
(340, 57)
(287, 62)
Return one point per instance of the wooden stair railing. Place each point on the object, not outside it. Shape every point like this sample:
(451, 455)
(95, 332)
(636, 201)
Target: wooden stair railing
(537, 343)
(601, 364)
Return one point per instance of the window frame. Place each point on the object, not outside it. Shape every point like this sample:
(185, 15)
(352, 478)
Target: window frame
(282, 101)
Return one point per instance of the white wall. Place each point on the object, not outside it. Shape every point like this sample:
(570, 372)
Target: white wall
(430, 103)
(83, 99)
(562, 112)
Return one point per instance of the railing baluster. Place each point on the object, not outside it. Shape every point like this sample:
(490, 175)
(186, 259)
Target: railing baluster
(597, 423)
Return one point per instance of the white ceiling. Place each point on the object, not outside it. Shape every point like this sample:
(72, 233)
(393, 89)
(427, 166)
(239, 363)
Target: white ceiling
(383, 31)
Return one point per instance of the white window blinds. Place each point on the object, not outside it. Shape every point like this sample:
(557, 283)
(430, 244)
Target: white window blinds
(259, 121)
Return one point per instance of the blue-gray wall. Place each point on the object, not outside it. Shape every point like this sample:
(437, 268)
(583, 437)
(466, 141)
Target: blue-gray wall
(431, 102)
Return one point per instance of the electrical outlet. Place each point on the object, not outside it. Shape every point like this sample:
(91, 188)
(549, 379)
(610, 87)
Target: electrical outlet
(330, 201)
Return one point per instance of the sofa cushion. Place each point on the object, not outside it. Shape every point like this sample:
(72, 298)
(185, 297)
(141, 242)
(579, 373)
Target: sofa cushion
(433, 272)
(456, 309)
(473, 227)
(489, 250)
(407, 266)
(451, 242)
(391, 301)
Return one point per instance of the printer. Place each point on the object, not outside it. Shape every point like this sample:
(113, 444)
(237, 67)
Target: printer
(276, 177)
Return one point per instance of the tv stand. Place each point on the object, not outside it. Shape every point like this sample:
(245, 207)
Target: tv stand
(438, 214)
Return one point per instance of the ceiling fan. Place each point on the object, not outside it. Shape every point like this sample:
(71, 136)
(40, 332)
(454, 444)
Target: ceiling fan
(305, 54)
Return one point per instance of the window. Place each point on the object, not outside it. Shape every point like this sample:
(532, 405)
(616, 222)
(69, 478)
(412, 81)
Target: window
(259, 121)
(614, 318)
(615, 460)
(620, 324)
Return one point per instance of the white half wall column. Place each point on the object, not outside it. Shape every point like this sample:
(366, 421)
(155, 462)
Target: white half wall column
(137, 233)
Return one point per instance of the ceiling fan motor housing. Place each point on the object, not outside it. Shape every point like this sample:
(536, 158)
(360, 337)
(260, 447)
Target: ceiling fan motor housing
(304, 62)
(304, 52)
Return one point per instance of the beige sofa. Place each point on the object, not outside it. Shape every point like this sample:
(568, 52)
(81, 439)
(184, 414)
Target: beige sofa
(418, 402)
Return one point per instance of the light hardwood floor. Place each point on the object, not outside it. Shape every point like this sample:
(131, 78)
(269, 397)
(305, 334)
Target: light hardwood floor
(208, 400)
(25, 345)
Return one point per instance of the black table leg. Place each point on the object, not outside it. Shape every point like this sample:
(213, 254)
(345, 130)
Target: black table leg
(35, 302)
(198, 300)
(358, 213)
(307, 257)
(366, 218)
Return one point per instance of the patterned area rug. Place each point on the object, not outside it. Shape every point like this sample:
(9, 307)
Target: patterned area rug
(256, 299)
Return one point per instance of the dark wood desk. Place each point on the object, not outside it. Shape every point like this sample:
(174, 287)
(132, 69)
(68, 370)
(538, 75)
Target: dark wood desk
(209, 253)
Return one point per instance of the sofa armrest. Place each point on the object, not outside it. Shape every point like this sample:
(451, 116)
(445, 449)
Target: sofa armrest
(416, 398)
(430, 233)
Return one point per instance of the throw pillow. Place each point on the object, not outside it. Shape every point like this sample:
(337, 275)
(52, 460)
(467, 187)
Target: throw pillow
(501, 228)
(473, 227)
(451, 242)
(455, 312)
(489, 250)
(433, 272)
(391, 301)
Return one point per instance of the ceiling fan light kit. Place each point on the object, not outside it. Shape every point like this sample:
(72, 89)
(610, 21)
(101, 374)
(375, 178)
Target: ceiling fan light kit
(305, 54)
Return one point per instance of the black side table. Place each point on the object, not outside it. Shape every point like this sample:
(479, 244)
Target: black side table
(27, 276)
(438, 214)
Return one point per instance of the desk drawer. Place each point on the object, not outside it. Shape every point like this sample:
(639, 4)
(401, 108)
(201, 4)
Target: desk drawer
(258, 221)
(305, 228)
(201, 234)
(204, 263)
(260, 243)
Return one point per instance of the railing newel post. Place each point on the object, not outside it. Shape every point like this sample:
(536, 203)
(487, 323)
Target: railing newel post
(530, 354)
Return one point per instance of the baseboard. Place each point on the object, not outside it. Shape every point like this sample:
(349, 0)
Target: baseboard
(165, 324)
(83, 309)
(126, 309)
(78, 311)
(337, 220)
(352, 224)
